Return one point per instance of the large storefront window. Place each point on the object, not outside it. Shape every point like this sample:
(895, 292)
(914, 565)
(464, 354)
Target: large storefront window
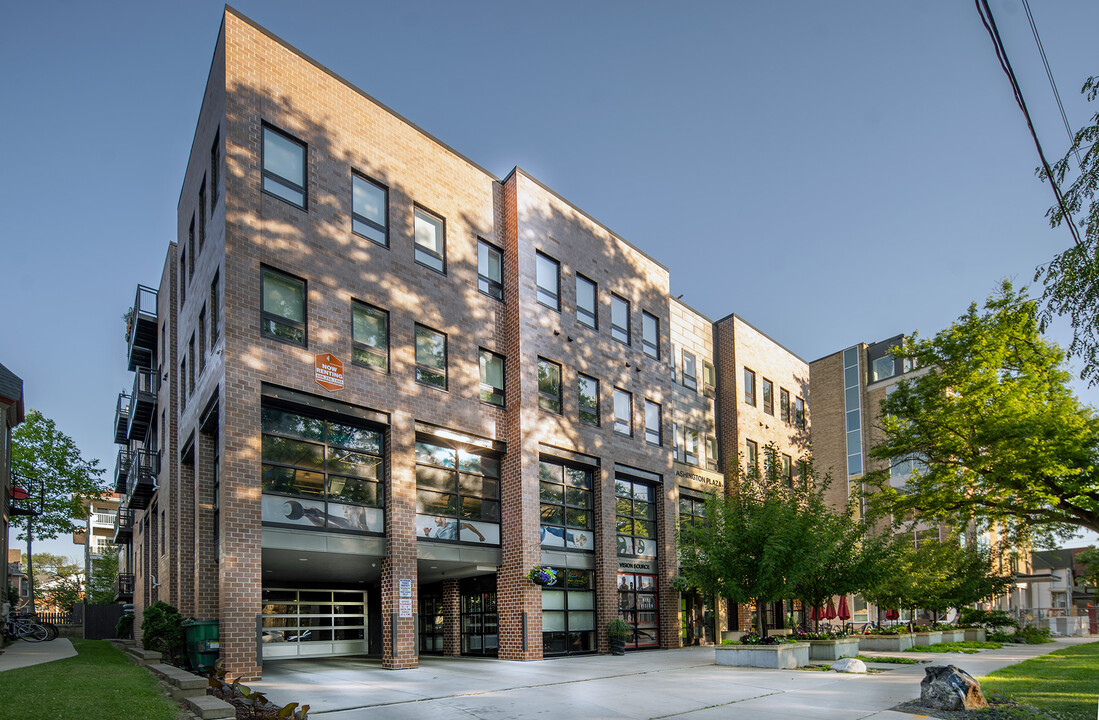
(635, 510)
(637, 606)
(321, 473)
(568, 614)
(313, 622)
(566, 507)
(480, 622)
(457, 495)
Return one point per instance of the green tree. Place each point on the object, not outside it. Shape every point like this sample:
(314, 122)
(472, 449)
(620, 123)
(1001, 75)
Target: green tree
(162, 630)
(49, 465)
(1072, 278)
(104, 572)
(1089, 559)
(58, 580)
(756, 542)
(993, 427)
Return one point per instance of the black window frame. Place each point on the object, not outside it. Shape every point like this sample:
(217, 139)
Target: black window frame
(690, 380)
(493, 390)
(591, 411)
(418, 249)
(539, 290)
(287, 183)
(459, 491)
(690, 458)
(215, 169)
(645, 344)
(265, 316)
(421, 368)
(767, 390)
(202, 213)
(548, 500)
(749, 387)
(547, 400)
(751, 457)
(357, 218)
(633, 516)
(709, 379)
(710, 445)
(629, 412)
(214, 306)
(584, 316)
(365, 348)
(784, 405)
(617, 330)
(659, 431)
(487, 285)
(799, 412)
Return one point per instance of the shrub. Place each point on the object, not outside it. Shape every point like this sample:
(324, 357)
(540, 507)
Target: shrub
(124, 628)
(1033, 635)
(988, 619)
(162, 630)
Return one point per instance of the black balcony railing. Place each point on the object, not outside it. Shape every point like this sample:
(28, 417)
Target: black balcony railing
(122, 469)
(142, 402)
(122, 419)
(141, 329)
(141, 482)
(124, 587)
(124, 526)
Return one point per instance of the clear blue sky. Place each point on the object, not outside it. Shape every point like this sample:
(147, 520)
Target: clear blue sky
(833, 172)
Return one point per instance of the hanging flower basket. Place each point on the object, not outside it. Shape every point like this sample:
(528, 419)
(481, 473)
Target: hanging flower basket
(542, 575)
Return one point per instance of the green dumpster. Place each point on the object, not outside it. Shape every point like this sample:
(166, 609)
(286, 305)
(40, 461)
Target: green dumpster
(201, 640)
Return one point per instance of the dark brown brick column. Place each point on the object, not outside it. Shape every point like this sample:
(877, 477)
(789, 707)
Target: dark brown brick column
(203, 561)
(452, 614)
(400, 541)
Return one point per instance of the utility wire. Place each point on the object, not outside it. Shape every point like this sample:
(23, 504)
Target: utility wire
(1049, 74)
(1001, 54)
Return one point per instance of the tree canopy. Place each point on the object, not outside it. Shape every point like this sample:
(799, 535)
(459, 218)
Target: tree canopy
(42, 453)
(1072, 277)
(993, 428)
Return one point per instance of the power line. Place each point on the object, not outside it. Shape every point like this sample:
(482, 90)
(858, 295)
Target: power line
(1049, 74)
(1001, 54)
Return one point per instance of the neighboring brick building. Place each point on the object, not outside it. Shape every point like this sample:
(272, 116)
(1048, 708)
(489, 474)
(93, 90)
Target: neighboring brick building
(377, 385)
(12, 412)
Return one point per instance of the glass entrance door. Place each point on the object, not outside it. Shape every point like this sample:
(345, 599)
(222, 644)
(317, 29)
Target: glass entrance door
(432, 621)
(480, 623)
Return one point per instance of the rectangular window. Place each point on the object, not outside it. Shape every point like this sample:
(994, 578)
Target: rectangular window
(370, 209)
(586, 292)
(691, 437)
(882, 369)
(202, 339)
(430, 357)
(201, 214)
(215, 168)
(283, 312)
(768, 397)
(283, 166)
(711, 453)
(566, 507)
(650, 335)
(214, 310)
(784, 404)
(183, 383)
(692, 510)
(620, 319)
(589, 400)
(490, 270)
(623, 411)
(799, 412)
(788, 470)
(191, 365)
(492, 378)
(457, 495)
(430, 232)
(677, 438)
(548, 279)
(369, 336)
(675, 360)
(635, 519)
(749, 387)
(549, 385)
(709, 379)
(653, 433)
(690, 371)
(752, 456)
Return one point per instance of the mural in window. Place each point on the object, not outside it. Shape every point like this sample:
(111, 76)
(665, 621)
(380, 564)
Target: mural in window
(635, 521)
(566, 497)
(457, 495)
(637, 607)
(568, 614)
(321, 473)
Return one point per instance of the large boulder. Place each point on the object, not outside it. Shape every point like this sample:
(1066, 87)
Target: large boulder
(849, 665)
(946, 687)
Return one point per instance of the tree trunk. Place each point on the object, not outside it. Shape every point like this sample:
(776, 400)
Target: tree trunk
(760, 609)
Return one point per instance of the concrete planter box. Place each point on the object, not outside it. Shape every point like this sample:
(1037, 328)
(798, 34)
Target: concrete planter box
(733, 634)
(783, 657)
(833, 649)
(953, 636)
(976, 635)
(886, 643)
(923, 639)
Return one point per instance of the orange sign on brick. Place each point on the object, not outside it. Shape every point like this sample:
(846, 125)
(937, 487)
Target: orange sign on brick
(329, 372)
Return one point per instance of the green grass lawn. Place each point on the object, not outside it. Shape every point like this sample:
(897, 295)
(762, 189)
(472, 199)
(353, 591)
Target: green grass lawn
(968, 647)
(100, 683)
(1065, 682)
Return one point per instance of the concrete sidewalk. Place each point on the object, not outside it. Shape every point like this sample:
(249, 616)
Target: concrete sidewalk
(683, 683)
(22, 653)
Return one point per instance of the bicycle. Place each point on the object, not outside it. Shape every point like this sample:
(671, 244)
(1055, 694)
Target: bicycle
(24, 627)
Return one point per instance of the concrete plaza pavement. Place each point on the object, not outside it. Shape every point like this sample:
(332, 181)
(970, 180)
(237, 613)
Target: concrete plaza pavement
(22, 653)
(684, 684)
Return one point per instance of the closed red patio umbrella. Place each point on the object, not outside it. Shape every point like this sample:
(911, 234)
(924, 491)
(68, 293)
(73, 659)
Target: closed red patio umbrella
(830, 613)
(814, 613)
(892, 614)
(844, 613)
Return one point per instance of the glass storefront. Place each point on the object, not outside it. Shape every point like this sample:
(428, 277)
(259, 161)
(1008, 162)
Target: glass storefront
(432, 621)
(637, 606)
(457, 495)
(480, 623)
(566, 506)
(568, 614)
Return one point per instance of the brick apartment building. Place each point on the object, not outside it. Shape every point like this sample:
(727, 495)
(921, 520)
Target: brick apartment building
(376, 385)
(12, 413)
